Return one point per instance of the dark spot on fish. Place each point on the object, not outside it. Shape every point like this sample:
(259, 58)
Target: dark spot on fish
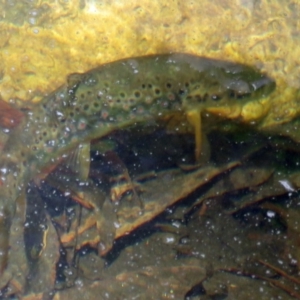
(157, 91)
(143, 86)
(96, 104)
(118, 100)
(89, 92)
(86, 107)
(168, 85)
(186, 84)
(181, 92)
(150, 86)
(137, 94)
(200, 99)
(122, 95)
(71, 114)
(44, 133)
(77, 109)
(82, 96)
(231, 94)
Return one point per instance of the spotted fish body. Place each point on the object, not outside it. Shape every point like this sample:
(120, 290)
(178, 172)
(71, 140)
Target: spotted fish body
(110, 97)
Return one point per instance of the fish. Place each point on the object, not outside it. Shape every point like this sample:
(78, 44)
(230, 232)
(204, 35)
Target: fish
(113, 96)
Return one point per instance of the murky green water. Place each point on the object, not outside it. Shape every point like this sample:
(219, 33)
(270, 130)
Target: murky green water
(163, 227)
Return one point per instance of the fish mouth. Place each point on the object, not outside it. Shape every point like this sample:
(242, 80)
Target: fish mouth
(246, 113)
(253, 100)
(262, 87)
(265, 84)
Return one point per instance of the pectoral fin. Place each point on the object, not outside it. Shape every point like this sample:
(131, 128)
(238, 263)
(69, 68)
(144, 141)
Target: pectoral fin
(202, 151)
(79, 161)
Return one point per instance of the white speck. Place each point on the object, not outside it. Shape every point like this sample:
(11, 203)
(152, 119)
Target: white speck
(294, 261)
(176, 224)
(117, 225)
(79, 283)
(59, 114)
(270, 214)
(32, 21)
(169, 239)
(3, 170)
(287, 185)
(91, 8)
(51, 143)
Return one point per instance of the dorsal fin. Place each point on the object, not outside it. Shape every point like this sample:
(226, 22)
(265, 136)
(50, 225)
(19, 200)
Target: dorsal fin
(10, 117)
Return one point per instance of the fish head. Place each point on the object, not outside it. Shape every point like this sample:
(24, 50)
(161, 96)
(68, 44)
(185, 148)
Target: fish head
(232, 91)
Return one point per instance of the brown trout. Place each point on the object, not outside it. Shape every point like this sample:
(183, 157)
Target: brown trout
(113, 96)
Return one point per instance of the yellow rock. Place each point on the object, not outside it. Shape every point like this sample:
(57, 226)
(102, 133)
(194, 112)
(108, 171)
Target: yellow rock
(56, 38)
